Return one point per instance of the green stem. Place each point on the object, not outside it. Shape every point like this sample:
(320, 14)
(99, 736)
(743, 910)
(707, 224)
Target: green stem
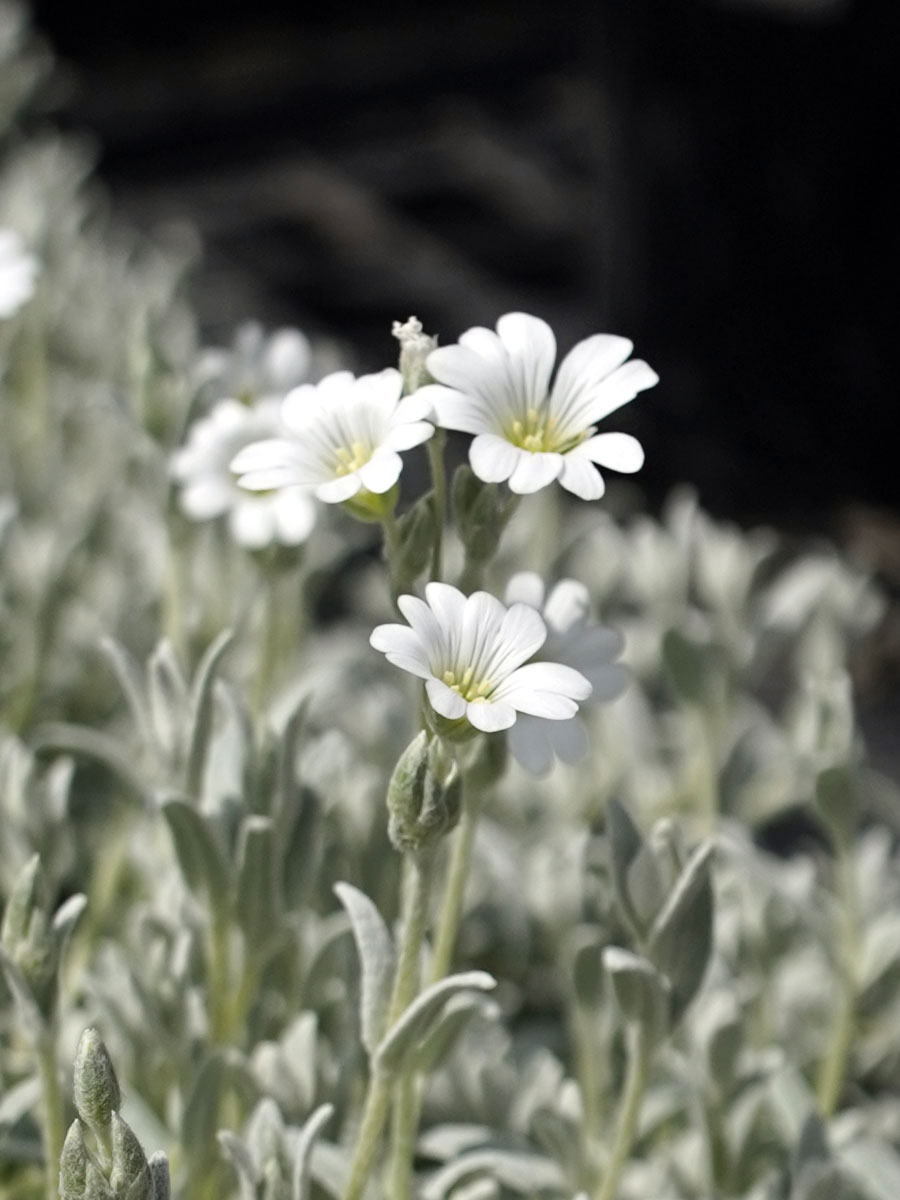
(629, 1112)
(219, 977)
(406, 984)
(268, 657)
(52, 1117)
(405, 1122)
(834, 1065)
(439, 480)
(454, 889)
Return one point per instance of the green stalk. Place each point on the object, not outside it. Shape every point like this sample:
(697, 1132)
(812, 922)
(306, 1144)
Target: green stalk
(52, 1117)
(405, 986)
(629, 1112)
(439, 480)
(454, 890)
(833, 1068)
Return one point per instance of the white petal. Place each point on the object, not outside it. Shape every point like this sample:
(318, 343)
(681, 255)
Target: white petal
(493, 458)
(335, 491)
(381, 472)
(252, 523)
(479, 636)
(404, 437)
(286, 358)
(534, 471)
(269, 480)
(550, 706)
(569, 740)
(580, 477)
(381, 391)
(448, 604)
(618, 451)
(259, 456)
(402, 647)
(206, 498)
(444, 700)
(490, 716)
(426, 626)
(567, 603)
(532, 348)
(623, 385)
(585, 366)
(300, 406)
(416, 407)
(295, 515)
(454, 410)
(530, 745)
(544, 678)
(526, 587)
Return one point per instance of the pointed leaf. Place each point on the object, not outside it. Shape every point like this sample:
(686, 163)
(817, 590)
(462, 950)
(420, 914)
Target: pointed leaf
(625, 844)
(680, 943)
(312, 1127)
(414, 1024)
(376, 957)
(202, 710)
(257, 906)
(202, 862)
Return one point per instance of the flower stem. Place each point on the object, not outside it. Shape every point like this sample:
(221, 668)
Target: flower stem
(51, 1111)
(405, 1122)
(439, 480)
(629, 1112)
(833, 1068)
(218, 977)
(406, 985)
(454, 890)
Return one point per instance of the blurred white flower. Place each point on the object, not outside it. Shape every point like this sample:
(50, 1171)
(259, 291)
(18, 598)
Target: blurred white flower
(18, 272)
(571, 639)
(209, 489)
(256, 365)
(342, 436)
(497, 386)
(470, 651)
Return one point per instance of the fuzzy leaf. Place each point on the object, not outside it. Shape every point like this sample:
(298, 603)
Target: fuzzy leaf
(526, 1174)
(312, 1127)
(415, 1023)
(257, 905)
(131, 681)
(376, 957)
(640, 990)
(201, 708)
(452, 1021)
(240, 1158)
(680, 941)
(202, 862)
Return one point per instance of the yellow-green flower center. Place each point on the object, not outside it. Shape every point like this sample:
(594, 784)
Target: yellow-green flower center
(539, 434)
(350, 459)
(467, 686)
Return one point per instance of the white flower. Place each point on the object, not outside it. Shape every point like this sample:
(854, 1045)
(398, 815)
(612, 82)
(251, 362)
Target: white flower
(470, 651)
(572, 640)
(209, 489)
(344, 435)
(256, 365)
(497, 386)
(18, 272)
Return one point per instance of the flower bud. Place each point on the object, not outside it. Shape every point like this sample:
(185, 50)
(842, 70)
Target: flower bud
(73, 1163)
(130, 1170)
(415, 346)
(424, 796)
(97, 1094)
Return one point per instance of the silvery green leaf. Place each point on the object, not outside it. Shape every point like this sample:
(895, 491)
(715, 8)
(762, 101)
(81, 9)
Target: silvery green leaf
(680, 941)
(812, 1145)
(65, 917)
(303, 849)
(477, 1189)
(286, 793)
(17, 1100)
(257, 904)
(687, 664)
(875, 1165)
(880, 964)
(168, 695)
(241, 1159)
(439, 1040)
(202, 862)
(221, 1069)
(719, 1030)
(312, 1127)
(822, 1181)
(416, 530)
(415, 1022)
(587, 967)
(201, 711)
(95, 1086)
(130, 1176)
(837, 801)
(444, 1142)
(131, 681)
(792, 1101)
(73, 1164)
(625, 844)
(26, 1005)
(561, 1138)
(96, 746)
(159, 1174)
(645, 886)
(642, 993)
(330, 1168)
(525, 1174)
(376, 958)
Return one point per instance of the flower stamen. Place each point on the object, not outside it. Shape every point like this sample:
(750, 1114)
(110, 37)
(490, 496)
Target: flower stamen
(464, 686)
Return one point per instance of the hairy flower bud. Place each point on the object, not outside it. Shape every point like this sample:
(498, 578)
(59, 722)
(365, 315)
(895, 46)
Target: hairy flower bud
(424, 796)
(97, 1094)
(415, 346)
(130, 1170)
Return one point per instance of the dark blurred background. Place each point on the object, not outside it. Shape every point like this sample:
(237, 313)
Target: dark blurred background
(713, 179)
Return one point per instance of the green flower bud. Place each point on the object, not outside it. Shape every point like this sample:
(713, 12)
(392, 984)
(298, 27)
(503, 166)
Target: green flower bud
(481, 512)
(97, 1094)
(73, 1164)
(130, 1177)
(415, 346)
(424, 796)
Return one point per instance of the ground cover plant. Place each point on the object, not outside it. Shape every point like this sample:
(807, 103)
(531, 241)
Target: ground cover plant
(372, 827)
